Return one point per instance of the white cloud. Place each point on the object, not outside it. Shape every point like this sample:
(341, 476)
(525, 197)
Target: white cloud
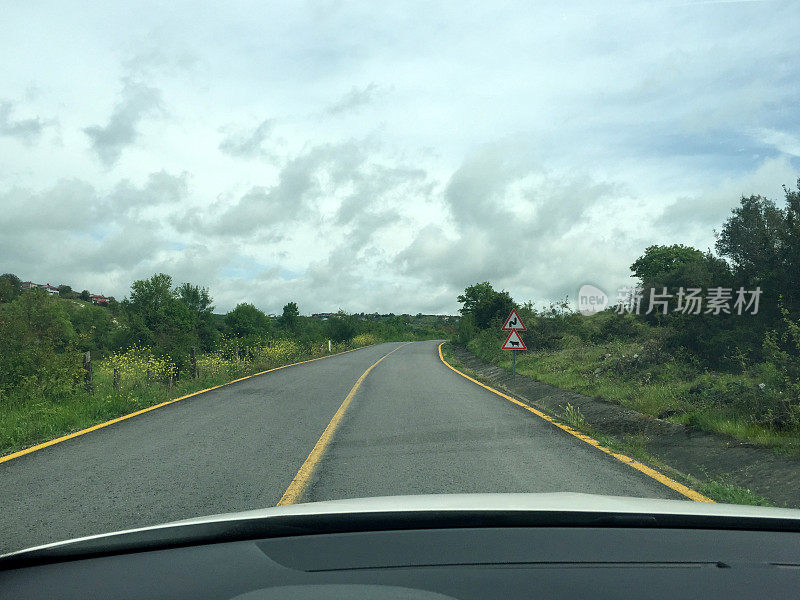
(137, 102)
(26, 130)
(248, 144)
(353, 100)
(783, 141)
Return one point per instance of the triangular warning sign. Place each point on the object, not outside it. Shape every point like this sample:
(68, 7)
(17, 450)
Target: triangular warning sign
(513, 322)
(514, 342)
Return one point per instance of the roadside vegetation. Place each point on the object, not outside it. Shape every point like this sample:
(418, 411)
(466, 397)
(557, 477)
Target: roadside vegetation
(729, 373)
(142, 350)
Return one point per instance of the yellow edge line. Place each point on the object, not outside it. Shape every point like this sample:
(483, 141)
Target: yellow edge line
(75, 434)
(660, 477)
(300, 482)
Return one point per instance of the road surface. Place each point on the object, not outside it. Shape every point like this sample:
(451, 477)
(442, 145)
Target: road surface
(413, 427)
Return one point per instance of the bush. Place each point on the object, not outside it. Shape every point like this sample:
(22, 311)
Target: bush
(466, 330)
(36, 335)
(364, 339)
(781, 350)
(487, 343)
(747, 399)
(341, 327)
(612, 326)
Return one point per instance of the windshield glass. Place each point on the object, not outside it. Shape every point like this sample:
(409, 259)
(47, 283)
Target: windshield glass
(276, 253)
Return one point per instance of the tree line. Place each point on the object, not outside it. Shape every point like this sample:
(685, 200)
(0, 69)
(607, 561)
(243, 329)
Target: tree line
(757, 247)
(42, 334)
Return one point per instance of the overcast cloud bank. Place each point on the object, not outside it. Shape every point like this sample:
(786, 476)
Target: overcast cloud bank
(343, 157)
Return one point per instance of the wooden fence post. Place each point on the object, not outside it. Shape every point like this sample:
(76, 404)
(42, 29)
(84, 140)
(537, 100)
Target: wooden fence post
(87, 367)
(171, 375)
(117, 378)
(236, 353)
(193, 360)
(329, 345)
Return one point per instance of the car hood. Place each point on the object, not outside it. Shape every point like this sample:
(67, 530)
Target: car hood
(445, 510)
(561, 501)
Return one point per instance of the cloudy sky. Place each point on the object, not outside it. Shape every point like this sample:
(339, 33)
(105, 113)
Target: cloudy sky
(377, 158)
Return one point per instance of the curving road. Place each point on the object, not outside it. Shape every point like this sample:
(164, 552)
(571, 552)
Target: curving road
(413, 427)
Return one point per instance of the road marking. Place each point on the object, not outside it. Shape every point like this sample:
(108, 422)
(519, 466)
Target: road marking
(660, 477)
(300, 482)
(75, 434)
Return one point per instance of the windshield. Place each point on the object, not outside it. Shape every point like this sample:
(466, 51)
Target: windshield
(276, 253)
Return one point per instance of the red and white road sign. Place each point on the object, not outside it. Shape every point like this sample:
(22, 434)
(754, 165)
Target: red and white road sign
(514, 342)
(514, 323)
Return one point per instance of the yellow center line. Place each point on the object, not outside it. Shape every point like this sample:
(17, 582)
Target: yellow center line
(300, 482)
(75, 434)
(650, 472)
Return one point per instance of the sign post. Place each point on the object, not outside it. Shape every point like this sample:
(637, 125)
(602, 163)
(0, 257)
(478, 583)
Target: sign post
(514, 342)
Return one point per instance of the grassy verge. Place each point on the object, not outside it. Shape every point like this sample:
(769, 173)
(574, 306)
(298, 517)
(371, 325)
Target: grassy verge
(39, 418)
(636, 447)
(639, 375)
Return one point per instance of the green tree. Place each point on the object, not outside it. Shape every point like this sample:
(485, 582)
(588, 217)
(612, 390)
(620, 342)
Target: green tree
(246, 320)
(658, 260)
(157, 317)
(341, 327)
(35, 331)
(466, 329)
(7, 291)
(290, 316)
(94, 327)
(753, 240)
(791, 251)
(200, 304)
(85, 295)
(719, 340)
(485, 304)
(65, 291)
(678, 266)
(762, 242)
(10, 287)
(197, 299)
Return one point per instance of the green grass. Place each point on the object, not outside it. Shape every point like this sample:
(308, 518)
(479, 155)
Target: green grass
(731, 494)
(662, 389)
(24, 424)
(635, 446)
(574, 417)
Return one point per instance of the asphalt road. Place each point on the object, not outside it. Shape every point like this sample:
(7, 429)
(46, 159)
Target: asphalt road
(414, 427)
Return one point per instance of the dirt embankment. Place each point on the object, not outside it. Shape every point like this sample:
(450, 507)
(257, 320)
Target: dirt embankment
(699, 453)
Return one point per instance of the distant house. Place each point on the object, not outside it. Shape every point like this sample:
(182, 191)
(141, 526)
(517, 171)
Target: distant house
(49, 288)
(29, 285)
(323, 316)
(98, 299)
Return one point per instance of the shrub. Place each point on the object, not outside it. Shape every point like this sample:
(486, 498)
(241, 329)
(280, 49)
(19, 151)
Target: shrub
(364, 339)
(466, 329)
(611, 326)
(781, 350)
(36, 334)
